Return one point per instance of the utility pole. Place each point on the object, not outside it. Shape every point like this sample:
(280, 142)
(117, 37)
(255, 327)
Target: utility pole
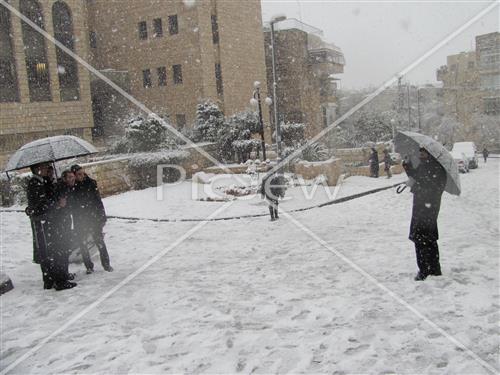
(418, 108)
(409, 107)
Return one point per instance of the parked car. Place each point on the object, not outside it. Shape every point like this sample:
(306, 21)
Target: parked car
(469, 150)
(461, 160)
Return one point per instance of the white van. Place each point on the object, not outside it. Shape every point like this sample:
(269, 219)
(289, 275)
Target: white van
(469, 150)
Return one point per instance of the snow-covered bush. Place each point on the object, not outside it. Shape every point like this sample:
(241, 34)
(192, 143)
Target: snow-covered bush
(315, 152)
(234, 138)
(292, 133)
(13, 191)
(144, 134)
(363, 127)
(209, 121)
(143, 167)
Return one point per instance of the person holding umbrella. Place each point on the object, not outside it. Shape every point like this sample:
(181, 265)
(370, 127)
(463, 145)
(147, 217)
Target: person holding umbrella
(44, 211)
(273, 187)
(429, 181)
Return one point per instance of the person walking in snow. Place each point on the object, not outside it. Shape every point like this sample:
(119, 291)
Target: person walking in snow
(273, 187)
(429, 183)
(44, 209)
(89, 218)
(486, 153)
(387, 163)
(374, 163)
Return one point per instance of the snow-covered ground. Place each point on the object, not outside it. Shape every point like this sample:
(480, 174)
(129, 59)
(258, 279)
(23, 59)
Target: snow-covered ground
(182, 201)
(253, 296)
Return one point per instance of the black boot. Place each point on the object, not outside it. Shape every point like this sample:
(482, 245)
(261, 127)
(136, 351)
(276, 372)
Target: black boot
(420, 276)
(64, 285)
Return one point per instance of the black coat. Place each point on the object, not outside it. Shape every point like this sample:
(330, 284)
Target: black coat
(43, 212)
(373, 161)
(430, 181)
(42, 199)
(86, 205)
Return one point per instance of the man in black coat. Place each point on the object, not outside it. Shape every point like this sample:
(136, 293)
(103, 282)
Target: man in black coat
(374, 163)
(44, 209)
(429, 183)
(89, 218)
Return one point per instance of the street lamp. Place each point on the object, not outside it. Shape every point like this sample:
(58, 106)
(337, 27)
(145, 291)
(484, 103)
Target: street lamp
(393, 134)
(274, 20)
(256, 97)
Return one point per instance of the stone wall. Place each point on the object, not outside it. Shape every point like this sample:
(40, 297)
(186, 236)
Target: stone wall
(113, 176)
(358, 155)
(365, 170)
(331, 169)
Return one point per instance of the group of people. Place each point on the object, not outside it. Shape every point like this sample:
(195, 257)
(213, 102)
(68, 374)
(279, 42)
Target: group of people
(373, 161)
(66, 214)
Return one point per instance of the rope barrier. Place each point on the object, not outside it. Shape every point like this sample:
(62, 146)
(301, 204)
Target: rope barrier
(239, 217)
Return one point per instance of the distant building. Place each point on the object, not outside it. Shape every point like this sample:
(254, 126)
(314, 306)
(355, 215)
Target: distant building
(306, 66)
(471, 85)
(488, 64)
(460, 78)
(43, 91)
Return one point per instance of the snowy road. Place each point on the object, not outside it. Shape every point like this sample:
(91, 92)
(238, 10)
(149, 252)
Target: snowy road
(253, 296)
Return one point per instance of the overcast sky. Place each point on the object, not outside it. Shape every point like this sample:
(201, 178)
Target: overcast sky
(381, 38)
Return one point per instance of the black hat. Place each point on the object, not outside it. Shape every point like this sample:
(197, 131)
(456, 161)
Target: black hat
(75, 168)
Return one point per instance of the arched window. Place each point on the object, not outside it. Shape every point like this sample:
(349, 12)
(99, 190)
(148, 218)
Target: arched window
(8, 76)
(37, 65)
(67, 68)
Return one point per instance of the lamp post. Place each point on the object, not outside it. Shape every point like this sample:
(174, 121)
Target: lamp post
(256, 96)
(393, 133)
(274, 20)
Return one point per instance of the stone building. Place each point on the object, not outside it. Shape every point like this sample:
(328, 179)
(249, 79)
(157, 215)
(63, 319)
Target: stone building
(173, 54)
(306, 66)
(167, 54)
(43, 91)
(460, 78)
(488, 63)
(471, 88)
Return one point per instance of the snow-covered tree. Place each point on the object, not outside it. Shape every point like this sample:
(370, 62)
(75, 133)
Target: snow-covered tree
(292, 133)
(209, 121)
(144, 134)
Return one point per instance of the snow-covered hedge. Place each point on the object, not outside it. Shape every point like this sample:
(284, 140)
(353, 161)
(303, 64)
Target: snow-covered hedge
(13, 191)
(143, 134)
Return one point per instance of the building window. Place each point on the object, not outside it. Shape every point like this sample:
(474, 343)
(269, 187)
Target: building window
(181, 121)
(8, 75)
(173, 25)
(162, 76)
(158, 27)
(146, 78)
(67, 68)
(492, 105)
(143, 30)
(218, 79)
(215, 29)
(177, 74)
(93, 39)
(35, 52)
